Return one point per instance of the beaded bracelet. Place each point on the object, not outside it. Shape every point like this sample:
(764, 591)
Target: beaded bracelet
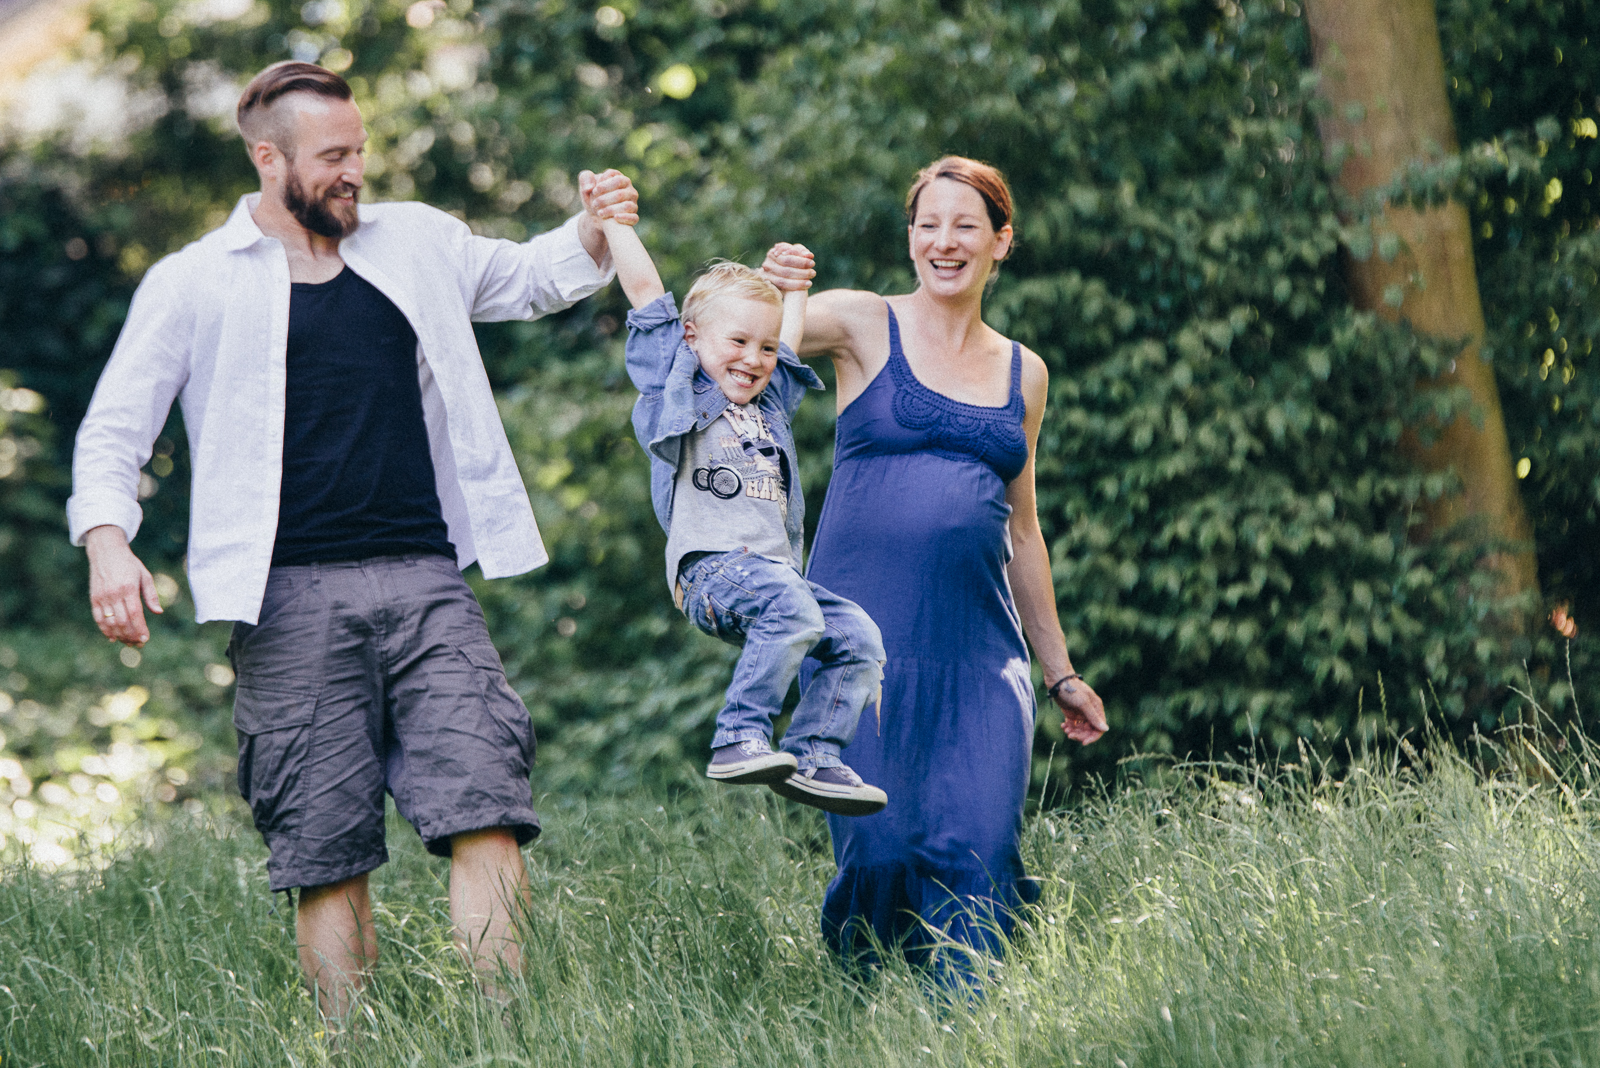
(1063, 681)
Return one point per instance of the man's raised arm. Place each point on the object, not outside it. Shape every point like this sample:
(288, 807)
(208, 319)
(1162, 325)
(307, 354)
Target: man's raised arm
(556, 269)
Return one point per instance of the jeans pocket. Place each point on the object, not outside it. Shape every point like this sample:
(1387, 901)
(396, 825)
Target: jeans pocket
(274, 727)
(712, 595)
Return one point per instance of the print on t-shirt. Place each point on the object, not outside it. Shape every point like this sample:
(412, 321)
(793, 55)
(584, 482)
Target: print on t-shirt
(743, 456)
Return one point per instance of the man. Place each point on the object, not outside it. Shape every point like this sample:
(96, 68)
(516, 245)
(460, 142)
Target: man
(348, 462)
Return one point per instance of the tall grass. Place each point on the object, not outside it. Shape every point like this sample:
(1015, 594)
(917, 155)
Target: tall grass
(1414, 912)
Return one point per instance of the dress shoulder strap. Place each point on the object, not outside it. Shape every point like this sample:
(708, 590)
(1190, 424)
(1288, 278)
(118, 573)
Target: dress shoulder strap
(1016, 372)
(894, 334)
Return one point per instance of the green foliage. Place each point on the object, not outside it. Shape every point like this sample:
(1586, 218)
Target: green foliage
(93, 735)
(1225, 509)
(1236, 915)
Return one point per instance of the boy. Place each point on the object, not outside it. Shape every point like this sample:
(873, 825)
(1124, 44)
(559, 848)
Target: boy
(717, 390)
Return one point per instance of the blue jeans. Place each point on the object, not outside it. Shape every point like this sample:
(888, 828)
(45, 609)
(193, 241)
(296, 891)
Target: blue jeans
(780, 619)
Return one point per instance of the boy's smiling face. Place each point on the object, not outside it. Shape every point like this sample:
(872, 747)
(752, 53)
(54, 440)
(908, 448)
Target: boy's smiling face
(737, 342)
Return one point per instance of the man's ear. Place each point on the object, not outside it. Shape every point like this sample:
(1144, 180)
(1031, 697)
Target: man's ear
(267, 157)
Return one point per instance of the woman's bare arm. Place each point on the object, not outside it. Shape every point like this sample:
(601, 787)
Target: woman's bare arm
(1031, 582)
(849, 326)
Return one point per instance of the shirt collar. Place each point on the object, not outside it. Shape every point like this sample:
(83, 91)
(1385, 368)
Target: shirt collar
(241, 231)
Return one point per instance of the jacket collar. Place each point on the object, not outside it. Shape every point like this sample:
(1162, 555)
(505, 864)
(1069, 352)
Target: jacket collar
(801, 370)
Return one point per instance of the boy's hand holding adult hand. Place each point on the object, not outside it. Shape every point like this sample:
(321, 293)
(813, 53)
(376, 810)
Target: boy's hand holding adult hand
(607, 197)
(117, 580)
(1083, 714)
(789, 267)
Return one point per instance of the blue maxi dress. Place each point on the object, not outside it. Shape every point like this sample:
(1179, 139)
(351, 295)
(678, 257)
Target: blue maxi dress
(914, 530)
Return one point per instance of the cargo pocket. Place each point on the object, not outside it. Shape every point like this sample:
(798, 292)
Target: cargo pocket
(274, 728)
(502, 702)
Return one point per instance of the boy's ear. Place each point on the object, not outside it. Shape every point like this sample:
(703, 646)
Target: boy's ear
(689, 331)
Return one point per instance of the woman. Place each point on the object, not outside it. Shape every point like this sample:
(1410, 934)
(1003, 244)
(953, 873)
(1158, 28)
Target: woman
(930, 525)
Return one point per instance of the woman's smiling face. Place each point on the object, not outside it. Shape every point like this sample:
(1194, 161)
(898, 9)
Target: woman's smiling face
(953, 244)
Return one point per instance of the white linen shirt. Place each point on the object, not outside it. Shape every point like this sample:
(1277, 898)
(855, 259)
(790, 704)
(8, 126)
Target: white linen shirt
(209, 324)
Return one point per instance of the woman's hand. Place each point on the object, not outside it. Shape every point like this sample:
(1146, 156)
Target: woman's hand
(1083, 713)
(789, 267)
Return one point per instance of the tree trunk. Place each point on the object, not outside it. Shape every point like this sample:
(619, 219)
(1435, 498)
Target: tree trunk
(1383, 77)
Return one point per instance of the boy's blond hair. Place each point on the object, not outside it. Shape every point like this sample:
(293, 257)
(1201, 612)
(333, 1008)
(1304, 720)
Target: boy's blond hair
(726, 279)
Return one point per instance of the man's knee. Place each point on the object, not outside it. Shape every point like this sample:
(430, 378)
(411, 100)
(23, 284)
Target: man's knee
(489, 840)
(352, 889)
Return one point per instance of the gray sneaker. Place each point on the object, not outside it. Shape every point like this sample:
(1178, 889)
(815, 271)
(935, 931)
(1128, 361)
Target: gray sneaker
(749, 761)
(838, 790)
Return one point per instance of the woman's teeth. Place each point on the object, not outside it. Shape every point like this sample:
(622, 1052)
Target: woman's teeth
(949, 265)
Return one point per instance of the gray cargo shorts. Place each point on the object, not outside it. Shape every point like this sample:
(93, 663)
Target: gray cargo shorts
(371, 676)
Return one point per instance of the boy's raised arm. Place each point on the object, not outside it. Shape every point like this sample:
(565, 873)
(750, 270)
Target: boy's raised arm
(794, 319)
(635, 270)
(794, 292)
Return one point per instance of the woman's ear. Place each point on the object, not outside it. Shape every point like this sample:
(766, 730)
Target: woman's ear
(1002, 244)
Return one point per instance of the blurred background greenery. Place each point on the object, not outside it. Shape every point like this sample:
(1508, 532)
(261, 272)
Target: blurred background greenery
(1227, 513)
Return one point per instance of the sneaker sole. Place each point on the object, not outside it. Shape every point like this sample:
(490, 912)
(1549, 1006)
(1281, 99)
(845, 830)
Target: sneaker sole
(763, 770)
(840, 801)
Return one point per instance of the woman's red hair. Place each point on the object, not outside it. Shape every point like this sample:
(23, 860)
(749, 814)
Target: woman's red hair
(988, 181)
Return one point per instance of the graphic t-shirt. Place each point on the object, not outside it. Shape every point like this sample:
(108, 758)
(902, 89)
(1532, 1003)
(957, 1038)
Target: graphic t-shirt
(732, 491)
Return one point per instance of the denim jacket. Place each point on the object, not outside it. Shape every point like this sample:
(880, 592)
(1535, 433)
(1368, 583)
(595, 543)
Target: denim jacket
(676, 398)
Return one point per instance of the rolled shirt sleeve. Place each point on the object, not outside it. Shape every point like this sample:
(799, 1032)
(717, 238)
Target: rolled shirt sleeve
(546, 274)
(654, 334)
(147, 369)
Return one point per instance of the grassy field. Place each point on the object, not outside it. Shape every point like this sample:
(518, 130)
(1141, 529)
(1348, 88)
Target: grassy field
(1404, 915)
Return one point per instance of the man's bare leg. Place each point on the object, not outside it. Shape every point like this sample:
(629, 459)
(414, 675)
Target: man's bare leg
(337, 943)
(488, 891)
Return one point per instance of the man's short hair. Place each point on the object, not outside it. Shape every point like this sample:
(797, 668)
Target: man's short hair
(728, 280)
(256, 118)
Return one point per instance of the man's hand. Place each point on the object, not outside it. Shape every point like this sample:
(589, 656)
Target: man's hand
(1083, 713)
(789, 267)
(609, 195)
(116, 581)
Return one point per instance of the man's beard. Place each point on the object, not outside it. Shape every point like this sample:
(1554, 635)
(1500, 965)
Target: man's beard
(318, 215)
